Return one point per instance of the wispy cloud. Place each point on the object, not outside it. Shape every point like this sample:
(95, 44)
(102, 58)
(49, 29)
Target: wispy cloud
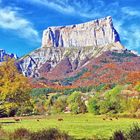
(130, 11)
(11, 20)
(128, 28)
(61, 6)
(122, 15)
(129, 34)
(74, 7)
(85, 10)
(133, 34)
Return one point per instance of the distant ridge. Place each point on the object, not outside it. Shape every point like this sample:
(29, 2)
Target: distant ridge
(4, 54)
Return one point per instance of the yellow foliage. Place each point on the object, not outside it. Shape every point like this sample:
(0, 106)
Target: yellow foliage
(14, 87)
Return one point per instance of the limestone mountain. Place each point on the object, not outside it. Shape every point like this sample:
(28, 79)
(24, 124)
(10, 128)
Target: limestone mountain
(94, 33)
(66, 49)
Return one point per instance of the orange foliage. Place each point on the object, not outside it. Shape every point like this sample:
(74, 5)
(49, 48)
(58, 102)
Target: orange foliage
(86, 75)
(133, 77)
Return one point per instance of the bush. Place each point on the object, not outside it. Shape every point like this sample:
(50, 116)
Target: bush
(112, 101)
(41, 91)
(24, 134)
(133, 105)
(68, 81)
(51, 134)
(3, 134)
(3, 112)
(118, 135)
(20, 134)
(60, 104)
(24, 110)
(137, 87)
(76, 104)
(93, 105)
(134, 132)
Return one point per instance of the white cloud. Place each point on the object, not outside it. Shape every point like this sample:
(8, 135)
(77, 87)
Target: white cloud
(11, 20)
(61, 6)
(81, 8)
(97, 9)
(130, 34)
(119, 26)
(133, 37)
(130, 11)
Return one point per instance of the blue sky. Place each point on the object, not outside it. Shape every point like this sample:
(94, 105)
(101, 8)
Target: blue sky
(23, 21)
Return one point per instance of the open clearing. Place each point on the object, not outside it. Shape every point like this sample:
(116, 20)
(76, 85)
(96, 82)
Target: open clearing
(79, 126)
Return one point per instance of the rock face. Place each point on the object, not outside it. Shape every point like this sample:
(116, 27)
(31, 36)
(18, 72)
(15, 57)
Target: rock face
(69, 48)
(4, 55)
(93, 33)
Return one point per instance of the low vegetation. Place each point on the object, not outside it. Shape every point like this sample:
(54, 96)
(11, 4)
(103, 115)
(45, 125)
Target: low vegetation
(117, 100)
(83, 112)
(132, 134)
(45, 134)
(67, 127)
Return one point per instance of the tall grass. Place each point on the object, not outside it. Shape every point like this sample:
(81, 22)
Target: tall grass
(132, 134)
(25, 134)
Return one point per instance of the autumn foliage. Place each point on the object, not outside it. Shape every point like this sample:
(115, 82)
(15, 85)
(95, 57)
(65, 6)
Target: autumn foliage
(14, 87)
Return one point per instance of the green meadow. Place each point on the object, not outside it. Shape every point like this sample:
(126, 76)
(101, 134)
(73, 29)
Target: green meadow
(80, 126)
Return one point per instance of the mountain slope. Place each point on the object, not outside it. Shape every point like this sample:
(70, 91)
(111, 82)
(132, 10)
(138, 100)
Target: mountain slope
(68, 48)
(112, 67)
(81, 55)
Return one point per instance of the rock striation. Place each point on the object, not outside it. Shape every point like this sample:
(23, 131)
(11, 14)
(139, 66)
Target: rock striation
(72, 46)
(93, 33)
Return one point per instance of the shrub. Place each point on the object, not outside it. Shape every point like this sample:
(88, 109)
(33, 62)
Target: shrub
(51, 134)
(20, 134)
(60, 104)
(25, 110)
(74, 108)
(0, 126)
(118, 135)
(134, 132)
(112, 101)
(76, 104)
(133, 105)
(3, 134)
(41, 91)
(93, 105)
(2, 112)
(68, 81)
(137, 87)
(100, 87)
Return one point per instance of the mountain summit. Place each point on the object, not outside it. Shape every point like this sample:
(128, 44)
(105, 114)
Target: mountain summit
(94, 33)
(66, 49)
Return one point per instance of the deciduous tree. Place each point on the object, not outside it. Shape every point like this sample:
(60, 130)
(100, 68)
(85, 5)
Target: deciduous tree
(14, 87)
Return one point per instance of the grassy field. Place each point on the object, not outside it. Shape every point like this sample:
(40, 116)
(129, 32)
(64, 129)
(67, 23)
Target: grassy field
(79, 126)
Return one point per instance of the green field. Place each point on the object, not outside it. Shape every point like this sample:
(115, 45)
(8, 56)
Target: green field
(79, 126)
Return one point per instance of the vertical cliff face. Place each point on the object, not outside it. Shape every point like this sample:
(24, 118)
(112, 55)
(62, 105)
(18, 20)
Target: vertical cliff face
(93, 33)
(71, 47)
